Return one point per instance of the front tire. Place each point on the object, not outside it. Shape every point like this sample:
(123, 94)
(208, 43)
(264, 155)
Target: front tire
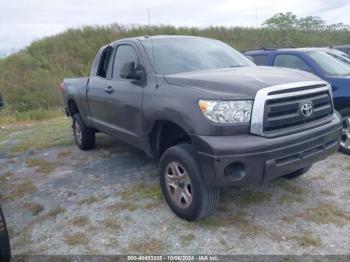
(183, 186)
(5, 250)
(84, 136)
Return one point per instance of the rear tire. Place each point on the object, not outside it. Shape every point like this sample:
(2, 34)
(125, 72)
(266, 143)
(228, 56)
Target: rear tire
(183, 185)
(84, 136)
(297, 173)
(5, 250)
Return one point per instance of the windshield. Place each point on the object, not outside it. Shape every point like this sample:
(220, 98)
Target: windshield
(177, 55)
(331, 62)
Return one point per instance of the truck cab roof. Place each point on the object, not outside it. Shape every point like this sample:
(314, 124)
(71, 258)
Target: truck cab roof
(146, 37)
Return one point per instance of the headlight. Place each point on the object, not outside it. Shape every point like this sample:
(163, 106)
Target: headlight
(226, 111)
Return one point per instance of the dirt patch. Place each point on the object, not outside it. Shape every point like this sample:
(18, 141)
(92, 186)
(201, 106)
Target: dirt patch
(34, 208)
(20, 190)
(80, 221)
(146, 247)
(42, 166)
(89, 200)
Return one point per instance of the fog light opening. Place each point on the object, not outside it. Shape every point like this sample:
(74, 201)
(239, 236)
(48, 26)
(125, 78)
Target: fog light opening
(235, 171)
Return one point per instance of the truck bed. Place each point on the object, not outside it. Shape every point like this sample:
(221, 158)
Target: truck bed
(78, 82)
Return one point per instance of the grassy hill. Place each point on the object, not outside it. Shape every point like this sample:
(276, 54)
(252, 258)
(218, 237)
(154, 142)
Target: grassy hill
(29, 79)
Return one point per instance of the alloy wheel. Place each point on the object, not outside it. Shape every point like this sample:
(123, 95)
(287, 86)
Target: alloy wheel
(345, 135)
(78, 133)
(178, 185)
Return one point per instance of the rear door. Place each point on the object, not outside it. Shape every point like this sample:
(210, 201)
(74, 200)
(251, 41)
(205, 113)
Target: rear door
(96, 89)
(124, 102)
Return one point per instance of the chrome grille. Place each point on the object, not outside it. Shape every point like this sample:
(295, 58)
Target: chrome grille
(279, 108)
(285, 113)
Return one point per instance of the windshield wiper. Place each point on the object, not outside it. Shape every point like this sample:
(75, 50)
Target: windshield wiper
(232, 66)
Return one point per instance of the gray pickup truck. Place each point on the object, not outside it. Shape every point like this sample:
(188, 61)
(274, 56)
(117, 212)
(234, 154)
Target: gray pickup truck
(212, 117)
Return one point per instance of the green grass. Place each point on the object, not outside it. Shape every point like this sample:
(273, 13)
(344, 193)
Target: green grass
(244, 196)
(30, 116)
(20, 190)
(112, 223)
(141, 191)
(187, 239)
(130, 206)
(77, 239)
(53, 213)
(307, 239)
(325, 213)
(80, 221)
(4, 179)
(64, 153)
(240, 221)
(37, 135)
(131, 196)
(89, 200)
(34, 208)
(42, 166)
(149, 246)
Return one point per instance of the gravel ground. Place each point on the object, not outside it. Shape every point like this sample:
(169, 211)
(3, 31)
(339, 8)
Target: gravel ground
(60, 200)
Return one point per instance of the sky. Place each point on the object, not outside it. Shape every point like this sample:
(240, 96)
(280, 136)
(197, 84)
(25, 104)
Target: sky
(22, 21)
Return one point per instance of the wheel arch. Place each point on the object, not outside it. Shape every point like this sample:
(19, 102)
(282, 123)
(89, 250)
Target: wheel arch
(164, 134)
(72, 107)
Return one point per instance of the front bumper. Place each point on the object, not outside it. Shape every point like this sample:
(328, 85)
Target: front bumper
(249, 159)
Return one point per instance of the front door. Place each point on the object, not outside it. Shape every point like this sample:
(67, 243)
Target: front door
(124, 102)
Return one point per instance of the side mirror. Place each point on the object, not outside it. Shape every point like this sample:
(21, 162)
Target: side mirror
(129, 71)
(139, 73)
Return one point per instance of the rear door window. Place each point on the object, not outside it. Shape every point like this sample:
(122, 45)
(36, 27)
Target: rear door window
(260, 60)
(291, 61)
(104, 62)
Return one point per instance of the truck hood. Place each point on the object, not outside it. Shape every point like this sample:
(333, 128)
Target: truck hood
(240, 81)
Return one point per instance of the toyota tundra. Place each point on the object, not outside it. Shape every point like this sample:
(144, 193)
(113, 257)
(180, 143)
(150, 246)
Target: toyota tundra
(212, 117)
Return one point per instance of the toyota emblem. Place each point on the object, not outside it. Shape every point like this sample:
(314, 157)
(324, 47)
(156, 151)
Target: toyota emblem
(306, 109)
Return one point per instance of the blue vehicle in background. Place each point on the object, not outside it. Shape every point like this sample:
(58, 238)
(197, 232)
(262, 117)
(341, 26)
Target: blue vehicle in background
(344, 48)
(331, 65)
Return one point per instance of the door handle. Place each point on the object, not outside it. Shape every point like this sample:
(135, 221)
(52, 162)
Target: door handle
(109, 89)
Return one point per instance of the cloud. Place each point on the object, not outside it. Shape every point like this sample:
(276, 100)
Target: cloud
(22, 21)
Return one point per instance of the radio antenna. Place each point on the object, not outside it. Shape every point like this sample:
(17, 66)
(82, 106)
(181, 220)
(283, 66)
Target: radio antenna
(153, 57)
